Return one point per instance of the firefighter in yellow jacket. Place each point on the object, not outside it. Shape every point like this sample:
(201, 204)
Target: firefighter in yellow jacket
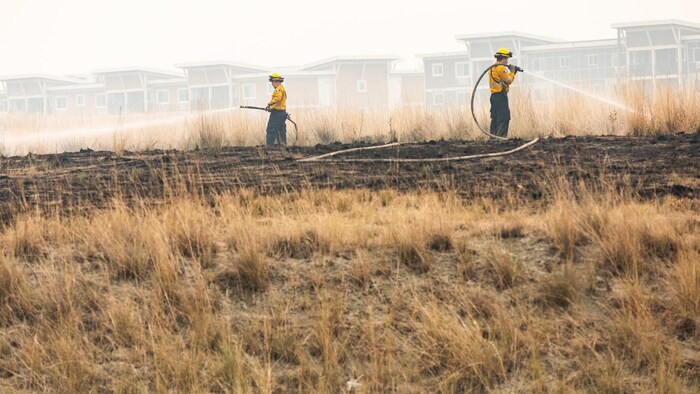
(501, 76)
(276, 126)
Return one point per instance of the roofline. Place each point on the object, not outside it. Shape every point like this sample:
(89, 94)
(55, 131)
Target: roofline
(572, 45)
(215, 63)
(137, 69)
(90, 86)
(443, 54)
(655, 23)
(349, 58)
(42, 76)
(467, 37)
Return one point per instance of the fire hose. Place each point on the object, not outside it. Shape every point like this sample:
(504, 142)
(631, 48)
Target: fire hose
(436, 159)
(289, 118)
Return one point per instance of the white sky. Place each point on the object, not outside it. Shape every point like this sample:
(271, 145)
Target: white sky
(77, 36)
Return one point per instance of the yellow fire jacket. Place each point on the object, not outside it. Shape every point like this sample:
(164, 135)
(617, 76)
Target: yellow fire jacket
(500, 78)
(279, 98)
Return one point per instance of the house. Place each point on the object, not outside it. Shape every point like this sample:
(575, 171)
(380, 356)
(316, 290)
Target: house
(305, 89)
(214, 84)
(129, 90)
(32, 93)
(354, 81)
(448, 78)
(661, 50)
(481, 47)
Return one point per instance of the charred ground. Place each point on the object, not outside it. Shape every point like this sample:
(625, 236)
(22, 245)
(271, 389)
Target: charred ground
(651, 166)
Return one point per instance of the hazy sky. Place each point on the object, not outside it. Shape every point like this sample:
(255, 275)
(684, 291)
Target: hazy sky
(78, 36)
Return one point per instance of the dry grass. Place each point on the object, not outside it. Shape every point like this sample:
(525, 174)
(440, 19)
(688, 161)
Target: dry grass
(666, 110)
(327, 291)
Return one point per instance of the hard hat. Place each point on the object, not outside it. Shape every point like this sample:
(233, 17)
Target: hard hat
(503, 52)
(275, 77)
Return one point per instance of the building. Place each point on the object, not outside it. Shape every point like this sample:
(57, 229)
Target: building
(663, 50)
(590, 65)
(354, 81)
(406, 88)
(651, 53)
(216, 84)
(448, 77)
(129, 90)
(35, 93)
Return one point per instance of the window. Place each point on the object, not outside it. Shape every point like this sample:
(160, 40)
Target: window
(3, 106)
(163, 96)
(438, 98)
(100, 101)
(61, 102)
(696, 52)
(183, 95)
(249, 91)
(361, 85)
(564, 61)
(592, 60)
(462, 73)
(80, 100)
(437, 70)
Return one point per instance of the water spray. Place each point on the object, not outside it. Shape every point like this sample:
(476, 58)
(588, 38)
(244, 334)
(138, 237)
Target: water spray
(581, 91)
(518, 69)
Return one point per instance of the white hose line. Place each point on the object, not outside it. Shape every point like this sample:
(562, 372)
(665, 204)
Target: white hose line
(399, 160)
(316, 158)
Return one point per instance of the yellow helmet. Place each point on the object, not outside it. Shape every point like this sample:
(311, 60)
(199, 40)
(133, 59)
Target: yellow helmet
(503, 52)
(275, 77)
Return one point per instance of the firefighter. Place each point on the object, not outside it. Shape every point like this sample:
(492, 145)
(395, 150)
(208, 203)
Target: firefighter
(501, 76)
(276, 127)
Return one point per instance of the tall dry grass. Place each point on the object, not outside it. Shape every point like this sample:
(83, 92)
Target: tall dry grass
(357, 290)
(663, 110)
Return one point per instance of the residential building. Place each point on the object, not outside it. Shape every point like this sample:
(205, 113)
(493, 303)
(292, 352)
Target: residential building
(129, 90)
(32, 93)
(406, 88)
(354, 81)
(661, 50)
(448, 78)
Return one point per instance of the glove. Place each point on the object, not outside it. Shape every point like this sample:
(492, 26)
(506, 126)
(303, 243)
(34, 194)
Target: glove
(513, 68)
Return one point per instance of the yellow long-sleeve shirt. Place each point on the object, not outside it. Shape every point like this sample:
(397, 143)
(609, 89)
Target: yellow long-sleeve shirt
(500, 78)
(279, 98)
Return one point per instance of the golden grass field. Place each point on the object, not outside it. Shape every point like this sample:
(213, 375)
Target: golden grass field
(590, 288)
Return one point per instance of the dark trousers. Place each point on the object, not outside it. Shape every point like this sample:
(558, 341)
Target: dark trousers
(500, 114)
(277, 128)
